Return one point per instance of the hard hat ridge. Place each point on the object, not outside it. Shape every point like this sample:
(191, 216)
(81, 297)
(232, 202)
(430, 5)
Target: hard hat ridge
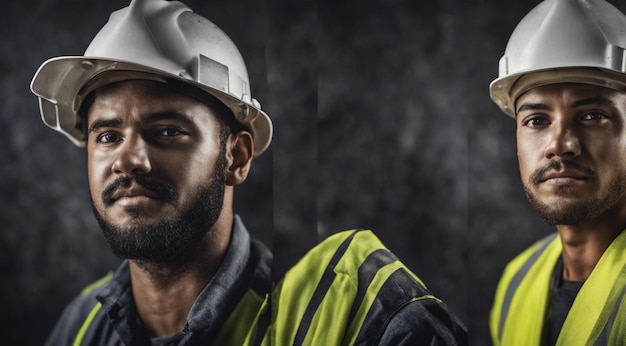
(141, 31)
(552, 31)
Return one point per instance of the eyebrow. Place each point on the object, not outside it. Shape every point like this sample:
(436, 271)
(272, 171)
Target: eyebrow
(153, 117)
(533, 107)
(578, 103)
(100, 123)
(593, 101)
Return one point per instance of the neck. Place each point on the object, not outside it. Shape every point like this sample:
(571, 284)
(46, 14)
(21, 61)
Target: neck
(165, 294)
(584, 244)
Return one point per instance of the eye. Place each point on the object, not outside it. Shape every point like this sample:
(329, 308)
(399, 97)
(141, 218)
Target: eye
(594, 116)
(169, 132)
(536, 121)
(108, 137)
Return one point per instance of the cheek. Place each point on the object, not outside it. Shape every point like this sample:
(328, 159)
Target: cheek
(97, 169)
(610, 160)
(201, 168)
(606, 150)
(524, 151)
(189, 170)
(524, 169)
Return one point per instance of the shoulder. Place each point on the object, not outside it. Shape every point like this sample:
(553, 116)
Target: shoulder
(539, 260)
(352, 285)
(351, 258)
(346, 251)
(424, 322)
(362, 257)
(78, 311)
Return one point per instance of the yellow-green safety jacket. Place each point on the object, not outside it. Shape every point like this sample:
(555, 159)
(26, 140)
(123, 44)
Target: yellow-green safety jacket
(347, 290)
(522, 301)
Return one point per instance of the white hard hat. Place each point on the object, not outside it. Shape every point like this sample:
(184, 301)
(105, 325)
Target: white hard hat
(563, 41)
(151, 39)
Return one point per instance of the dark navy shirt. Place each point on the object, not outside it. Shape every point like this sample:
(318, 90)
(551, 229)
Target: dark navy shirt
(562, 298)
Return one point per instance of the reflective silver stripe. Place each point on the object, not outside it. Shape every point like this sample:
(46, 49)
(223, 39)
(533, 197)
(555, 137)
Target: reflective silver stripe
(517, 279)
(603, 338)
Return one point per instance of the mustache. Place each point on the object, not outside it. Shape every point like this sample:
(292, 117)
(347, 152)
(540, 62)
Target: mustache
(165, 191)
(538, 175)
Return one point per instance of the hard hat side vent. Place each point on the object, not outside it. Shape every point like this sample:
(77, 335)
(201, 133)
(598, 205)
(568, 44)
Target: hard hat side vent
(212, 73)
(615, 58)
(52, 118)
(49, 113)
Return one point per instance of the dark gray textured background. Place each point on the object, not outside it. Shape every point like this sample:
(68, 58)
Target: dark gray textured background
(382, 121)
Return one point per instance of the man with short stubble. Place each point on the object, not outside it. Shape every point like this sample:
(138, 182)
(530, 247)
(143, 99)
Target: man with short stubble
(563, 80)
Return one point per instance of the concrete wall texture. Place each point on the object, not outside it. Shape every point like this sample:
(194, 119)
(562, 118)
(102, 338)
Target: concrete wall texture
(382, 120)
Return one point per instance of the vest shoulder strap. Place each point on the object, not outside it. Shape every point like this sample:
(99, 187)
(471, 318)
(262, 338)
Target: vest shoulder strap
(599, 305)
(535, 261)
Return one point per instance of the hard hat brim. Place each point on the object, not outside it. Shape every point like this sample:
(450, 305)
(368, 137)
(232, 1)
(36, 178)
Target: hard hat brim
(505, 91)
(60, 85)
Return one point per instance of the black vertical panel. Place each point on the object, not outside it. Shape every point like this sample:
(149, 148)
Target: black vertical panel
(501, 222)
(392, 138)
(292, 77)
(244, 21)
(50, 244)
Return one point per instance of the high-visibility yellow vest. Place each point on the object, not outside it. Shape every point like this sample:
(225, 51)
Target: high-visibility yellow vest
(522, 301)
(327, 298)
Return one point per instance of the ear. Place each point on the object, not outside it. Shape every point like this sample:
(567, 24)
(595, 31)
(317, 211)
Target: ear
(239, 154)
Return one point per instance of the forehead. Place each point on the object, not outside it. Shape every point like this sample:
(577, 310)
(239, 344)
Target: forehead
(139, 90)
(568, 93)
(143, 97)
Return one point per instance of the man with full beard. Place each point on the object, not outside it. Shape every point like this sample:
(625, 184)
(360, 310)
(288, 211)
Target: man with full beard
(161, 100)
(563, 80)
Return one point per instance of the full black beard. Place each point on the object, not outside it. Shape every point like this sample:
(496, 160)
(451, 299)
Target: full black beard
(170, 242)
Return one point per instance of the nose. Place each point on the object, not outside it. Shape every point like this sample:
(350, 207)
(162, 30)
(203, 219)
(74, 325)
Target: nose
(563, 143)
(132, 158)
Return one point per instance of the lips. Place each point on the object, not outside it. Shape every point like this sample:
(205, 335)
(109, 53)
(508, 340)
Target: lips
(138, 188)
(566, 174)
(562, 171)
(134, 191)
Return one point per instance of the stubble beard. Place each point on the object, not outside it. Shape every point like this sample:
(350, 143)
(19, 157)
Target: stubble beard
(169, 242)
(576, 212)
